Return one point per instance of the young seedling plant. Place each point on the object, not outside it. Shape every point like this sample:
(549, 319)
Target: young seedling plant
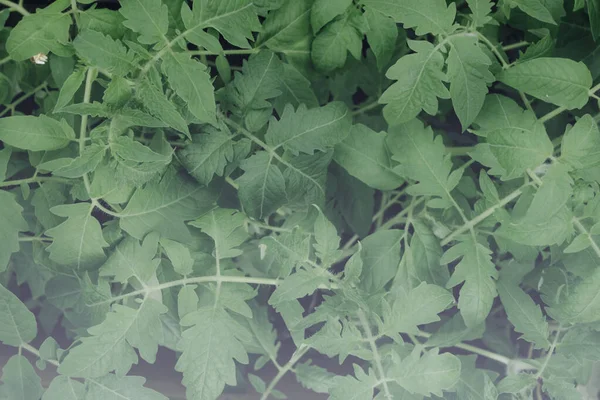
(273, 188)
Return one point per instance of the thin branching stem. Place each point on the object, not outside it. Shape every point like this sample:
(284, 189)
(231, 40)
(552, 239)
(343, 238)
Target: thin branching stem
(12, 106)
(376, 357)
(298, 354)
(15, 7)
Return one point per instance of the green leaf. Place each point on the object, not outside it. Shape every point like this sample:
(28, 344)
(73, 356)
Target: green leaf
(480, 10)
(429, 16)
(315, 378)
(288, 29)
(580, 343)
(418, 306)
(159, 106)
(478, 273)
(425, 253)
(64, 388)
(454, 331)
(164, 205)
(351, 388)
(149, 18)
(18, 323)
(234, 19)
(538, 9)
(295, 90)
(382, 35)
(87, 162)
(469, 76)
(111, 344)
(580, 146)
(423, 158)
(381, 258)
(224, 226)
(581, 304)
(305, 180)
(299, 284)
(593, 9)
(130, 260)
(429, 374)
(262, 187)
(104, 52)
(113, 387)
(323, 11)
(516, 383)
(35, 133)
(192, 83)
(20, 380)
(208, 154)
(179, 255)
(209, 346)
(559, 81)
(117, 93)
(327, 241)
(306, 130)
(78, 241)
(69, 88)
(515, 140)
(419, 79)
(102, 20)
(42, 32)
(365, 155)
(330, 47)
(548, 218)
(248, 94)
(12, 224)
(524, 314)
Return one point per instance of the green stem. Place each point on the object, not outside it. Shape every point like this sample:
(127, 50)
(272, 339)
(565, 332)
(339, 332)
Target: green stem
(548, 356)
(584, 231)
(34, 179)
(21, 99)
(16, 7)
(5, 60)
(298, 354)
(36, 352)
(513, 46)
(365, 108)
(224, 52)
(559, 110)
(470, 224)
(189, 281)
(34, 239)
(376, 357)
(494, 49)
(485, 353)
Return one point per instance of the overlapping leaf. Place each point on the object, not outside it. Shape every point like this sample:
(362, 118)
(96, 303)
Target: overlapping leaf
(419, 79)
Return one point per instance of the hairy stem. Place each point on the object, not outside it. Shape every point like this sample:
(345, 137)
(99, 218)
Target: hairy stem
(376, 357)
(21, 99)
(298, 354)
(549, 355)
(189, 281)
(36, 352)
(472, 223)
(35, 179)
(15, 7)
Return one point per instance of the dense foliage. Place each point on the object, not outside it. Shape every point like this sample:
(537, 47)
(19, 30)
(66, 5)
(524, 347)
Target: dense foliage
(409, 186)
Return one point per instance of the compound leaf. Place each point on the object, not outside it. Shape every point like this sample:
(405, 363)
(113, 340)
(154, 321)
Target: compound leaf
(469, 76)
(78, 241)
(12, 224)
(209, 346)
(559, 81)
(419, 79)
(18, 323)
(478, 273)
(111, 344)
(306, 130)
